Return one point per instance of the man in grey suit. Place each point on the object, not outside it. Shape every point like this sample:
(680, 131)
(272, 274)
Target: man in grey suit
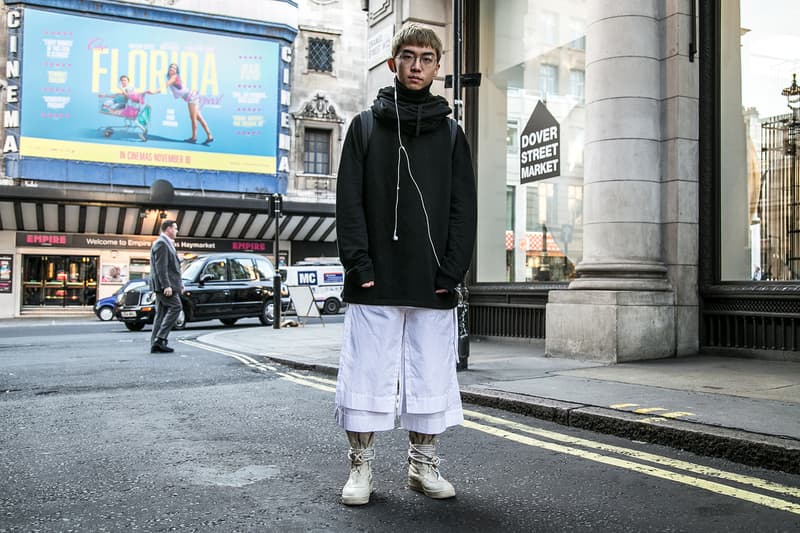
(166, 282)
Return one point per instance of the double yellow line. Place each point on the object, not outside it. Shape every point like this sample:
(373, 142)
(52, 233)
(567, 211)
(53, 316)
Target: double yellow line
(618, 456)
(308, 381)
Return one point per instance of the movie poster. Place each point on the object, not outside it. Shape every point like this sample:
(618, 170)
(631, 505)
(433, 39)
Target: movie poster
(119, 92)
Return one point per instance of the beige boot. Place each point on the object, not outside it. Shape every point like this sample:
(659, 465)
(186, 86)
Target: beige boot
(423, 467)
(359, 485)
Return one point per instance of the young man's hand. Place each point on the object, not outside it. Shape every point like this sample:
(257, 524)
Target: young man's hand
(168, 292)
(441, 291)
(367, 285)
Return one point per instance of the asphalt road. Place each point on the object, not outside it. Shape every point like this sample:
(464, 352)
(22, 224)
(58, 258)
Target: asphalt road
(97, 434)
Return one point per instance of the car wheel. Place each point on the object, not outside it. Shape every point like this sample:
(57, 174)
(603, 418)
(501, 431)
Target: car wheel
(228, 321)
(181, 322)
(267, 314)
(134, 326)
(331, 306)
(105, 314)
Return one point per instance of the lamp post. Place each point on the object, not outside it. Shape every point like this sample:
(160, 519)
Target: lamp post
(792, 94)
(276, 204)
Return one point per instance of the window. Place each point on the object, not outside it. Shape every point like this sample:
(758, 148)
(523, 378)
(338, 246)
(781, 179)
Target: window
(532, 231)
(548, 79)
(264, 268)
(577, 81)
(217, 271)
(512, 137)
(510, 198)
(532, 221)
(759, 136)
(549, 27)
(242, 269)
(317, 151)
(576, 35)
(320, 54)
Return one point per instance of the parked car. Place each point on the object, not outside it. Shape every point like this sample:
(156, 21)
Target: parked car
(104, 307)
(224, 286)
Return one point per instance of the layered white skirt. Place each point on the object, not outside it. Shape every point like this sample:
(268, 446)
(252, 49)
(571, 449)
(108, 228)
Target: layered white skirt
(398, 368)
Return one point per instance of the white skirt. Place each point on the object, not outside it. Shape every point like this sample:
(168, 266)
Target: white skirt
(398, 364)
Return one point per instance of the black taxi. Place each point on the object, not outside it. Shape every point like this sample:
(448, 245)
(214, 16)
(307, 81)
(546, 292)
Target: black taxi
(222, 286)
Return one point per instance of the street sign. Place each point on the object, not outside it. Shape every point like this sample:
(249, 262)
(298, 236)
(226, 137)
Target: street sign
(540, 147)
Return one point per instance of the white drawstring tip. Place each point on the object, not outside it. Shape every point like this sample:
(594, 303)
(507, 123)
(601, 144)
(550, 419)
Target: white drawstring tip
(395, 238)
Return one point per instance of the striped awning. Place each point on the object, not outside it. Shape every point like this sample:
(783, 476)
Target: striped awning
(55, 210)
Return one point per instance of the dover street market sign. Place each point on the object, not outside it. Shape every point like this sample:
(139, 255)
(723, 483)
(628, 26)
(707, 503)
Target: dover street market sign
(540, 147)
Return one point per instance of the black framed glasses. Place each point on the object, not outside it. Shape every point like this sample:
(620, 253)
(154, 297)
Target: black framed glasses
(426, 60)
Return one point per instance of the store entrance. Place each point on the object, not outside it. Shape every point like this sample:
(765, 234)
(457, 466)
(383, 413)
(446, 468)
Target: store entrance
(59, 280)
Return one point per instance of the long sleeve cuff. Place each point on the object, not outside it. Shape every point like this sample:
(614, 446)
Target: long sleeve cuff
(363, 276)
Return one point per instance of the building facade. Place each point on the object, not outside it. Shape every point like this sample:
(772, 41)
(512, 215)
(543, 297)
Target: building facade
(91, 166)
(635, 166)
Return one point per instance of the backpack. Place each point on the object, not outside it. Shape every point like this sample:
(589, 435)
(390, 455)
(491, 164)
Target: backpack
(368, 119)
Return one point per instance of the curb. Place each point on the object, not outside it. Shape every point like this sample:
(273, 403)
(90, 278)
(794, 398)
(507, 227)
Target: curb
(754, 449)
(330, 370)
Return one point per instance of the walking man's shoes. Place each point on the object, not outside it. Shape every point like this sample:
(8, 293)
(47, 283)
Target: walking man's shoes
(160, 346)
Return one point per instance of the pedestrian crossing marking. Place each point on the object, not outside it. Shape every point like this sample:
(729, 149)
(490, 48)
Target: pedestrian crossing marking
(648, 410)
(712, 486)
(623, 405)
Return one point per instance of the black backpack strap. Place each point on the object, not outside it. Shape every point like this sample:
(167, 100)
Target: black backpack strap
(367, 120)
(366, 129)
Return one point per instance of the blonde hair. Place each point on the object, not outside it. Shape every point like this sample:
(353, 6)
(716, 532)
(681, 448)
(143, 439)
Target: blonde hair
(416, 35)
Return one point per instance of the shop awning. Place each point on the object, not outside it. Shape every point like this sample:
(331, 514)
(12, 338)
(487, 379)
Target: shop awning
(74, 211)
(531, 241)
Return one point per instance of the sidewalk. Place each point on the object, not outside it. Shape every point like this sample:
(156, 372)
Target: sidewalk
(742, 409)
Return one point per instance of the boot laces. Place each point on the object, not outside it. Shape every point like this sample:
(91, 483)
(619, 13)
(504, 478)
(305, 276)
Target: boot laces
(359, 456)
(424, 453)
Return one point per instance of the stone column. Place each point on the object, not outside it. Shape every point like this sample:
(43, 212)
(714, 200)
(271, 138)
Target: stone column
(620, 307)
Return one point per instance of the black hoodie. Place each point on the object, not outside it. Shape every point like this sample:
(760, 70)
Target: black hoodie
(371, 210)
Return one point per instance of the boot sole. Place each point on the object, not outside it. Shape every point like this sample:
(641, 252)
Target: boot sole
(356, 500)
(441, 495)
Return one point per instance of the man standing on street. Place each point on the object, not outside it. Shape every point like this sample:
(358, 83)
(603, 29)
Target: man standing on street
(405, 221)
(166, 282)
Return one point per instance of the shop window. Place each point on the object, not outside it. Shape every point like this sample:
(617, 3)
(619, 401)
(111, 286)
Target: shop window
(320, 54)
(62, 281)
(317, 151)
(759, 136)
(529, 230)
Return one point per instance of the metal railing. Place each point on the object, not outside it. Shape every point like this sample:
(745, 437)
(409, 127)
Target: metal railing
(509, 310)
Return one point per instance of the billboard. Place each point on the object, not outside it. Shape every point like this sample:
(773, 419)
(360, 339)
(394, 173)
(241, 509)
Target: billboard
(127, 93)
